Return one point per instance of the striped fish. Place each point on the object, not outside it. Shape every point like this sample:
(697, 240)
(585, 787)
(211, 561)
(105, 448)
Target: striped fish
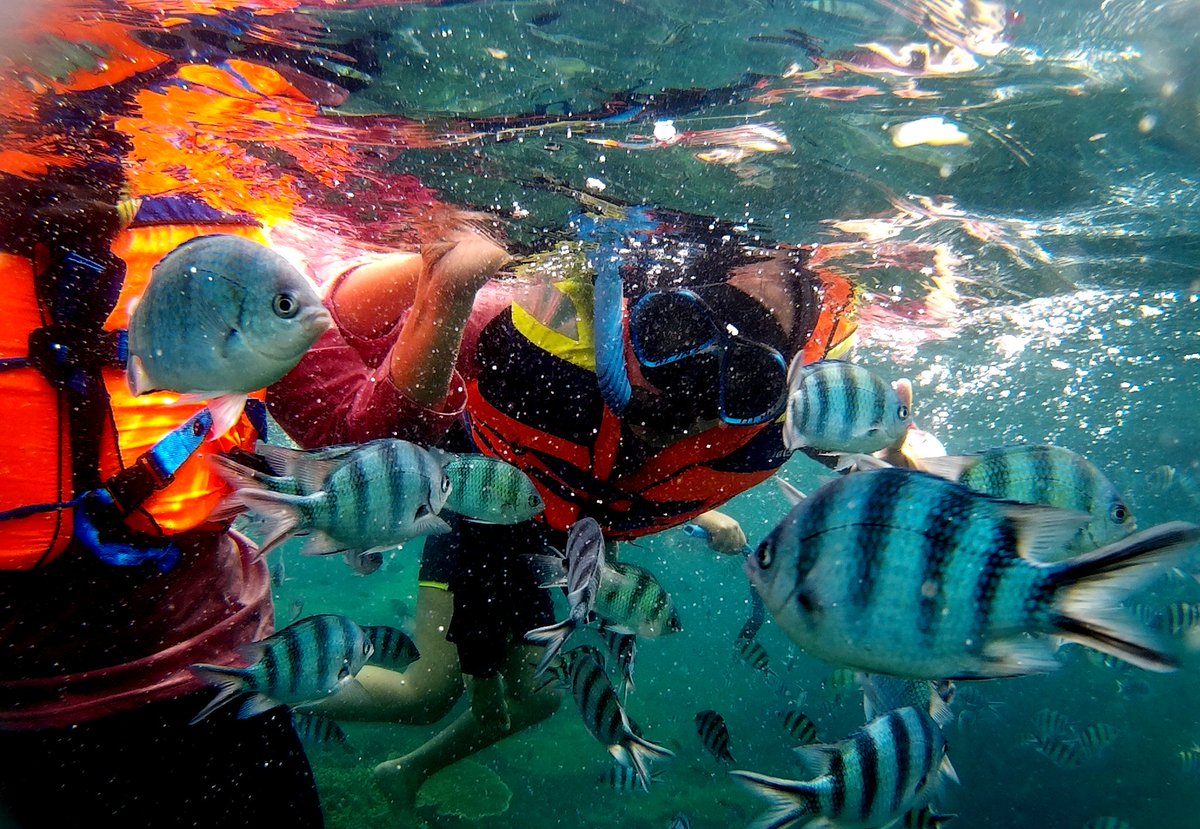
(1183, 617)
(1063, 753)
(1049, 724)
(1189, 761)
(714, 734)
(899, 572)
(490, 491)
(584, 565)
(630, 600)
(750, 652)
(622, 649)
(393, 648)
(316, 731)
(603, 716)
(798, 724)
(623, 779)
(1048, 475)
(681, 822)
(303, 663)
(1095, 738)
(358, 499)
(925, 818)
(840, 407)
(885, 693)
(869, 779)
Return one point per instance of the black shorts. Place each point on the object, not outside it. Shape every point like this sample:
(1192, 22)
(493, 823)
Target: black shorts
(148, 767)
(496, 594)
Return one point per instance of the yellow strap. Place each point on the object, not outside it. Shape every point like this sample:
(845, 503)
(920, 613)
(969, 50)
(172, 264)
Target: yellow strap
(436, 585)
(579, 352)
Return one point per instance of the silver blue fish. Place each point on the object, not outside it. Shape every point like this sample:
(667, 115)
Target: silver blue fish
(319, 732)
(585, 562)
(301, 664)
(356, 499)
(924, 818)
(631, 600)
(1049, 475)
(869, 779)
(840, 407)
(623, 778)
(393, 648)
(221, 317)
(899, 572)
(580, 669)
(884, 693)
(490, 491)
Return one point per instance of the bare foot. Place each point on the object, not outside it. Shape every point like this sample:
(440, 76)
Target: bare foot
(399, 784)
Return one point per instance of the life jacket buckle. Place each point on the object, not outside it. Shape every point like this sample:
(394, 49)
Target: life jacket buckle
(100, 527)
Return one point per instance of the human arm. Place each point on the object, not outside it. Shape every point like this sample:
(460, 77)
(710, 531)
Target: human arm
(725, 534)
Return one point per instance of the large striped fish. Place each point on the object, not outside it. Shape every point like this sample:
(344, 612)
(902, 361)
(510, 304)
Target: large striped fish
(303, 663)
(490, 491)
(900, 572)
(581, 669)
(631, 600)
(869, 779)
(1049, 475)
(840, 407)
(346, 499)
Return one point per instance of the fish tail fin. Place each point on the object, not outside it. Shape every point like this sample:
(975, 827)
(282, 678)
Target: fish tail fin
(789, 801)
(1088, 586)
(229, 682)
(553, 637)
(639, 752)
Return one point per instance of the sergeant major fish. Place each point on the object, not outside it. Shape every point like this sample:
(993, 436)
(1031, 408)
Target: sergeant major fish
(585, 562)
(631, 600)
(603, 715)
(714, 734)
(840, 407)
(904, 573)
(1049, 475)
(347, 499)
(221, 317)
(303, 663)
(490, 491)
(869, 779)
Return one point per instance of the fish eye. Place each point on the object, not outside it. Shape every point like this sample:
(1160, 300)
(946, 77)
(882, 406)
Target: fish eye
(1119, 514)
(902, 412)
(286, 306)
(534, 500)
(445, 486)
(764, 555)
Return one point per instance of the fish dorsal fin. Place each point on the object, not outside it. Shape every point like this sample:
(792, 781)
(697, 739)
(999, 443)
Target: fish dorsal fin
(1042, 531)
(311, 470)
(939, 710)
(816, 759)
(790, 492)
(950, 467)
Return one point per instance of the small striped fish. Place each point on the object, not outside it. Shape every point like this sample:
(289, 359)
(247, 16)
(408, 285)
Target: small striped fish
(884, 693)
(490, 491)
(899, 572)
(630, 600)
(1049, 724)
(797, 723)
(305, 662)
(623, 779)
(1095, 738)
(603, 715)
(581, 578)
(357, 499)
(869, 779)
(1189, 761)
(622, 648)
(1048, 475)
(925, 818)
(750, 652)
(1063, 753)
(319, 732)
(1183, 617)
(840, 407)
(714, 734)
(393, 648)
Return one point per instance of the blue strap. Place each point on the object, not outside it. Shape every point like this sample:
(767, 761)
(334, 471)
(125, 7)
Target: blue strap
(612, 373)
(170, 453)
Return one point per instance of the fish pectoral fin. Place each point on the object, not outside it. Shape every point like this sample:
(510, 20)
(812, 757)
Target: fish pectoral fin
(950, 467)
(255, 705)
(815, 759)
(1043, 531)
(225, 410)
(320, 543)
(430, 524)
(793, 495)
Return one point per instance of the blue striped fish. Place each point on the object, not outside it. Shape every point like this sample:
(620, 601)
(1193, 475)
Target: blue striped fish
(899, 572)
(581, 578)
(490, 491)
(1049, 475)
(840, 407)
(870, 779)
(357, 499)
(603, 716)
(303, 663)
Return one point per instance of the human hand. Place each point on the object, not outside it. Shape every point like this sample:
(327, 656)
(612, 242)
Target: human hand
(725, 533)
(458, 266)
(489, 703)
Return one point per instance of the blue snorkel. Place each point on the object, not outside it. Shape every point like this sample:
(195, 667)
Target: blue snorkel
(609, 236)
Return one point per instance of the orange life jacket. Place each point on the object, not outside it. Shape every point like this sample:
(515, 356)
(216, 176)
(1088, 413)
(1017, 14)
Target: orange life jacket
(38, 491)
